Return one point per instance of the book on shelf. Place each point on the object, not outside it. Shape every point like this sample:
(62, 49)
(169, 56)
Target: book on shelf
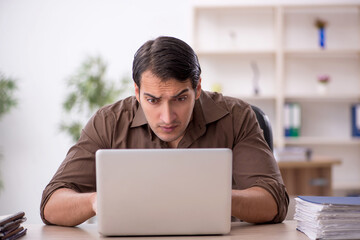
(292, 154)
(355, 120)
(322, 217)
(292, 119)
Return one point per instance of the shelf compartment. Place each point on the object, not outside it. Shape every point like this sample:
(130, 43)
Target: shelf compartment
(229, 28)
(235, 75)
(250, 98)
(342, 29)
(322, 141)
(325, 53)
(301, 75)
(348, 98)
(234, 52)
(324, 122)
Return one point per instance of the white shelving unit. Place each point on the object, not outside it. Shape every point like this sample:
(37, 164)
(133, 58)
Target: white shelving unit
(279, 44)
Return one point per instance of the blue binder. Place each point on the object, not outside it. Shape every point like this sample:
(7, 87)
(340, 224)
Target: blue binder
(287, 123)
(332, 200)
(355, 120)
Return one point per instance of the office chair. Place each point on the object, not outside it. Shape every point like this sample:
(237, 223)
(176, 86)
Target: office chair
(265, 125)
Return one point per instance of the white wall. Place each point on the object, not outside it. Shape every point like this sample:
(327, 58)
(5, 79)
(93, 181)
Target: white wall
(42, 42)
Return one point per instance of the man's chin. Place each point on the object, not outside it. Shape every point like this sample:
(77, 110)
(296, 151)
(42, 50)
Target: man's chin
(167, 138)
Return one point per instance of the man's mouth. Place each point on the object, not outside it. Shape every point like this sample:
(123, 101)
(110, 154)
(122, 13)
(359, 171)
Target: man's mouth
(168, 129)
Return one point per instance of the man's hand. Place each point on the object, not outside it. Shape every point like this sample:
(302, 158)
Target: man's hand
(94, 202)
(69, 208)
(254, 205)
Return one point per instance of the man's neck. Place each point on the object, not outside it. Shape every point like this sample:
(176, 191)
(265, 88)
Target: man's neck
(175, 143)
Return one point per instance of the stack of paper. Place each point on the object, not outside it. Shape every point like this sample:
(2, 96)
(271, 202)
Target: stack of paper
(328, 217)
(10, 226)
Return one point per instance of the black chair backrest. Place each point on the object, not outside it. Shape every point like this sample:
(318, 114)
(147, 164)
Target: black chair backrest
(265, 125)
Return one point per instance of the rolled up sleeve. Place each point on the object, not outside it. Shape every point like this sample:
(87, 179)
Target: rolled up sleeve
(77, 171)
(254, 163)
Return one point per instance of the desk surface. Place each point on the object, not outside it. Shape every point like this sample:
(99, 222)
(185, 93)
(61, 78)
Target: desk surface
(286, 230)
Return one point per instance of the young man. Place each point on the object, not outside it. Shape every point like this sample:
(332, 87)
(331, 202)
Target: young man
(169, 110)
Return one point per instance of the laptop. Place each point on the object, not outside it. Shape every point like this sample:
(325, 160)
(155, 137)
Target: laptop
(163, 191)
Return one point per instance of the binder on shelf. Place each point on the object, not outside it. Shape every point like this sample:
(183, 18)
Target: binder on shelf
(296, 120)
(292, 119)
(287, 119)
(355, 120)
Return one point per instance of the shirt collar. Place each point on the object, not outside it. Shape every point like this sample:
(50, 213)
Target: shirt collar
(206, 111)
(211, 111)
(139, 118)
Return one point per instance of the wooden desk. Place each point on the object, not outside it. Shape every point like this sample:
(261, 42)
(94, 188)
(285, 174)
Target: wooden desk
(308, 177)
(286, 230)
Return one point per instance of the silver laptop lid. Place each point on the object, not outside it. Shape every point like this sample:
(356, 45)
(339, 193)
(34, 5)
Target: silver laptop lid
(164, 191)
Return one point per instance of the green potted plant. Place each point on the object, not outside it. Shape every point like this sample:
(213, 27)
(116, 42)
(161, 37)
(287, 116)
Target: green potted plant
(88, 91)
(7, 100)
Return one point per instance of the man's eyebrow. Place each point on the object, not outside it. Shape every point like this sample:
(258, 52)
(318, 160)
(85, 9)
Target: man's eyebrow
(148, 94)
(182, 92)
(175, 96)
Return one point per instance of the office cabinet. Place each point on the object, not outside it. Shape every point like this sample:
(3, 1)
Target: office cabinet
(308, 177)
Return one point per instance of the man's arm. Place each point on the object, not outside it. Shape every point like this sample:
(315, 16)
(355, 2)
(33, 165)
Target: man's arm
(69, 208)
(254, 205)
(59, 203)
(263, 196)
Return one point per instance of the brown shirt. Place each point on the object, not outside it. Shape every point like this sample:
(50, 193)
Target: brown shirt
(218, 122)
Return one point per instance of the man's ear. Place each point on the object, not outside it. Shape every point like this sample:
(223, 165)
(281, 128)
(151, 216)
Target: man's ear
(198, 89)
(137, 92)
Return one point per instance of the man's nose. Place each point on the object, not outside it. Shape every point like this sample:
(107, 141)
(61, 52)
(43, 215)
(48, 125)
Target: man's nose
(167, 113)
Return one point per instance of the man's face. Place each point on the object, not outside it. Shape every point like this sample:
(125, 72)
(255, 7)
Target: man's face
(167, 105)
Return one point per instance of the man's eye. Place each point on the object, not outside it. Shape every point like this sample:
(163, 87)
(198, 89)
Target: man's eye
(181, 99)
(152, 100)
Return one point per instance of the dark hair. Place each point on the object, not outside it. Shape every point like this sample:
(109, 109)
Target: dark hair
(167, 57)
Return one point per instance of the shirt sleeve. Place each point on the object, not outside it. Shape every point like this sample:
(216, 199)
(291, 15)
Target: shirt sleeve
(77, 171)
(254, 163)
